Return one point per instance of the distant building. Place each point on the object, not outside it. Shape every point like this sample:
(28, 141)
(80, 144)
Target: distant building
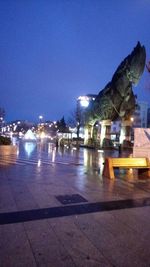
(148, 118)
(17, 127)
(139, 119)
(140, 115)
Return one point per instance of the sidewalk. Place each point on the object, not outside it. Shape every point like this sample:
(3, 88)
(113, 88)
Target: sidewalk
(64, 215)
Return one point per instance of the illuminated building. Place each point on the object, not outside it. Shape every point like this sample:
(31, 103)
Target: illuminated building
(141, 115)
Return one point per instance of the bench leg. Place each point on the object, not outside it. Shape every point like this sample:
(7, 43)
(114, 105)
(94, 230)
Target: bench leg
(108, 170)
(144, 173)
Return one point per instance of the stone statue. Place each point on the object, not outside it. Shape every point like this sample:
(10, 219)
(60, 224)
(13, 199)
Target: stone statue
(117, 99)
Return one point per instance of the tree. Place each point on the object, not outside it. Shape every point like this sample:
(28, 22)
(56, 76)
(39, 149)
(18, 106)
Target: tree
(62, 126)
(77, 119)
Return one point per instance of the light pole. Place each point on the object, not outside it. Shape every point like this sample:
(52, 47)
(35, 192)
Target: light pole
(40, 118)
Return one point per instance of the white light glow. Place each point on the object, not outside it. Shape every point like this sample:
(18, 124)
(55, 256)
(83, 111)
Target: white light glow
(29, 135)
(84, 103)
(42, 135)
(29, 147)
(39, 163)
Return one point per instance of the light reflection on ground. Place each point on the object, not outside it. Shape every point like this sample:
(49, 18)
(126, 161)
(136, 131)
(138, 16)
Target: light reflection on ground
(29, 148)
(87, 161)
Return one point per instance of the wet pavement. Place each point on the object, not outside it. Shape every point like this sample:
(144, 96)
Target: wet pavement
(56, 209)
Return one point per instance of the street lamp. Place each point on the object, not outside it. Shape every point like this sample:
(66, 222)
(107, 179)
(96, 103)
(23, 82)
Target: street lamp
(40, 118)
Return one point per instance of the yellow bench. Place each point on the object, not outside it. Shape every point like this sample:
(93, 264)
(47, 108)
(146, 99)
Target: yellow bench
(142, 164)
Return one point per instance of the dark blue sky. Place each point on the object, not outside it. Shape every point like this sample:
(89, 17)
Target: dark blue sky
(52, 51)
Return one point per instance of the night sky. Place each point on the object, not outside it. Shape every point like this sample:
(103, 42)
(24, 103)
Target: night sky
(52, 51)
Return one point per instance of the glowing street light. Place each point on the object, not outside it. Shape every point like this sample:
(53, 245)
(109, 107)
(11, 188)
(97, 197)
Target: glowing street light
(84, 101)
(40, 118)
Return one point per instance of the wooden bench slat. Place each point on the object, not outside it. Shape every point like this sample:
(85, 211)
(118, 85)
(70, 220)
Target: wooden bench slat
(138, 163)
(129, 162)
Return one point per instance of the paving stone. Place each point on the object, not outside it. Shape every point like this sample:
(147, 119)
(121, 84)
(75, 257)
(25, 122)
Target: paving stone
(46, 247)
(15, 250)
(7, 202)
(116, 238)
(125, 250)
(77, 244)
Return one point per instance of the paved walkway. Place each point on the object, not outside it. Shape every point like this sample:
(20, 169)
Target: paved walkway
(57, 210)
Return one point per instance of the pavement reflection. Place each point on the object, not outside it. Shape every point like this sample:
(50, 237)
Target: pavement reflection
(89, 161)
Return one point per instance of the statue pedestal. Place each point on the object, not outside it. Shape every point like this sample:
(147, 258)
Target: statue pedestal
(141, 152)
(125, 133)
(105, 131)
(141, 146)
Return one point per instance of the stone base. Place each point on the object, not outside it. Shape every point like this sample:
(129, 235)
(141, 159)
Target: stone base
(141, 152)
(8, 149)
